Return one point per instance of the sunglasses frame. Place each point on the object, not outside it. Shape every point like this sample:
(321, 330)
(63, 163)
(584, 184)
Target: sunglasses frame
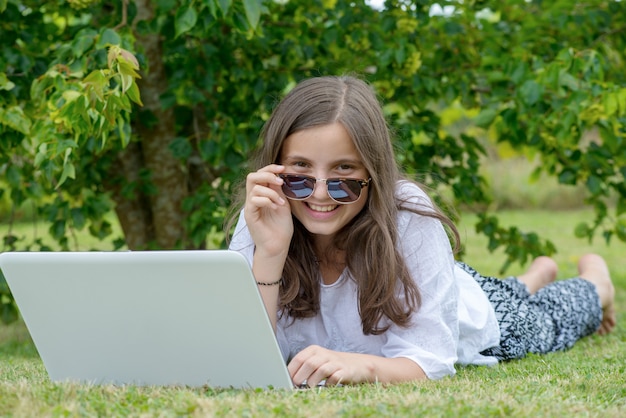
(361, 182)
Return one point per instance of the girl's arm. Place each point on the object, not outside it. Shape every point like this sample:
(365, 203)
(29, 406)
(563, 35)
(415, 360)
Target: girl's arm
(268, 218)
(268, 269)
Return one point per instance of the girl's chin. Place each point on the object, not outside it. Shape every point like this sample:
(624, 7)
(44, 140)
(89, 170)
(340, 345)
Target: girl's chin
(320, 227)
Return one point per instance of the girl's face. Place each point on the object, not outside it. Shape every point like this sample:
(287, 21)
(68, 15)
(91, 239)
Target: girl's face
(324, 152)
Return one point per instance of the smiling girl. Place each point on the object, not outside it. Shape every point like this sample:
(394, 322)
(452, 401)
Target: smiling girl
(354, 263)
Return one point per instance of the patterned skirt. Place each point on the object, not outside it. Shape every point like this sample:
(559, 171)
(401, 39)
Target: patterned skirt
(552, 319)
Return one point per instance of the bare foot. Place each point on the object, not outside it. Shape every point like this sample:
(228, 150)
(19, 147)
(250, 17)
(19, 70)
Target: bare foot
(542, 271)
(593, 268)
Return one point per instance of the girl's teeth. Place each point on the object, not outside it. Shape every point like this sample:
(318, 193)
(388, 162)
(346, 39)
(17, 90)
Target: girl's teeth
(322, 208)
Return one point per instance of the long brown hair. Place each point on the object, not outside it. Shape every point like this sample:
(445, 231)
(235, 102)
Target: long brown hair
(370, 241)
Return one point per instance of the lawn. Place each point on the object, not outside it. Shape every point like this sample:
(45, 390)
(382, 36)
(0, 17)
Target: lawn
(588, 380)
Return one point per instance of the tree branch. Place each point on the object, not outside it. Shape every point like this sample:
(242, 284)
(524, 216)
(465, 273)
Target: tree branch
(124, 15)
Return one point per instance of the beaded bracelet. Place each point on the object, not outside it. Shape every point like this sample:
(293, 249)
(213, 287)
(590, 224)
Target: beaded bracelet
(279, 281)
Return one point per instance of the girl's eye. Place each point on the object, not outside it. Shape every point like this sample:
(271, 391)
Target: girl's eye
(298, 166)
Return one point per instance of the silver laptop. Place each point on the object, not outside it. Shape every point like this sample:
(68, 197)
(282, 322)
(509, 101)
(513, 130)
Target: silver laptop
(190, 318)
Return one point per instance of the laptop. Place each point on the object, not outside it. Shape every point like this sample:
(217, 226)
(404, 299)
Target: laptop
(188, 318)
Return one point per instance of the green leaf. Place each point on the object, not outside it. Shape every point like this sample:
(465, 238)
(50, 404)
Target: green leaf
(100, 229)
(453, 28)
(124, 131)
(97, 82)
(253, 12)
(530, 92)
(14, 118)
(42, 154)
(5, 83)
(519, 73)
(13, 176)
(78, 218)
(69, 171)
(71, 95)
(567, 176)
(594, 185)
(550, 77)
(128, 64)
(569, 81)
(108, 37)
(185, 20)
(400, 56)
(225, 5)
(166, 5)
(57, 229)
(133, 94)
(82, 43)
(485, 117)
(127, 82)
(611, 141)
(611, 103)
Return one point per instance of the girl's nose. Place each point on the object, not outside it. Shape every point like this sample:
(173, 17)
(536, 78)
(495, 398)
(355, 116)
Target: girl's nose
(321, 190)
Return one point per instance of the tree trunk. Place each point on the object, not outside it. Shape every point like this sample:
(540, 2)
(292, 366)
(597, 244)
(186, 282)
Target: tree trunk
(153, 218)
(132, 207)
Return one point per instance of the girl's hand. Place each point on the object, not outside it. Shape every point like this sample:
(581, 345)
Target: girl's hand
(316, 364)
(267, 211)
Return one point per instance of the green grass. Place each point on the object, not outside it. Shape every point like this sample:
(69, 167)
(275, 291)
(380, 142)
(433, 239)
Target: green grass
(588, 380)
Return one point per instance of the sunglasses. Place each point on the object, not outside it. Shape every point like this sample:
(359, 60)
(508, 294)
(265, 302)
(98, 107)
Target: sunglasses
(344, 191)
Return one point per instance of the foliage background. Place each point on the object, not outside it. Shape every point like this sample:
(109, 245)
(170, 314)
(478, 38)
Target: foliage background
(151, 109)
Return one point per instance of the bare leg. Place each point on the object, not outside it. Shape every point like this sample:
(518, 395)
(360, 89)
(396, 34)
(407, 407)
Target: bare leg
(542, 271)
(593, 268)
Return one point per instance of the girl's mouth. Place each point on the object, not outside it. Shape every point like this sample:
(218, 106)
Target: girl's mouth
(318, 208)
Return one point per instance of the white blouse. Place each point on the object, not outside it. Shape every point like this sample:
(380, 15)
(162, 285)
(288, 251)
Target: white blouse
(454, 323)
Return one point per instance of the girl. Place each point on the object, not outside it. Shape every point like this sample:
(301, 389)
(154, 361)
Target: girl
(354, 263)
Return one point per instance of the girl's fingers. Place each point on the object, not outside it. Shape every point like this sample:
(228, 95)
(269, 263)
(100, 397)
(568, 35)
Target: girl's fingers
(263, 187)
(265, 177)
(265, 172)
(264, 199)
(259, 193)
(310, 366)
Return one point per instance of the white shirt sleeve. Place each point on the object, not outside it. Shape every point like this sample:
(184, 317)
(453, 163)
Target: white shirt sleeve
(478, 326)
(432, 339)
(241, 241)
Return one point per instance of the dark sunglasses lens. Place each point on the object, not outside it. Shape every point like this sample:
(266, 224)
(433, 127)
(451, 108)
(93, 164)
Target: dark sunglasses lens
(298, 187)
(344, 191)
